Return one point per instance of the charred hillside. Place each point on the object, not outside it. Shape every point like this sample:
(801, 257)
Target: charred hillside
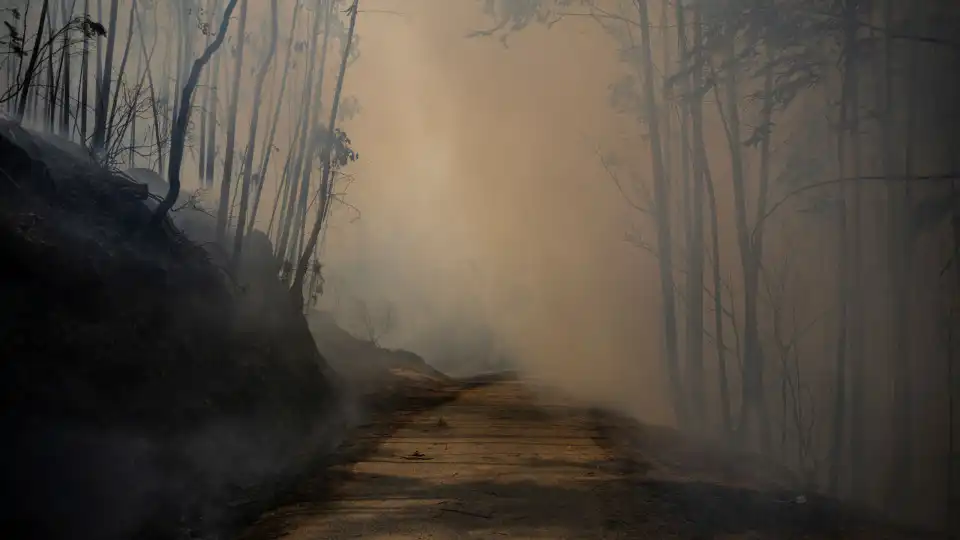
(140, 383)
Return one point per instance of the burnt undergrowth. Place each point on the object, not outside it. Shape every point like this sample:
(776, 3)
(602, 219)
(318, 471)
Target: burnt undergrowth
(143, 388)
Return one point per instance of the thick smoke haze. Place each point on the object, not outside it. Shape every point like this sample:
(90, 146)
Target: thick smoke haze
(484, 201)
(501, 211)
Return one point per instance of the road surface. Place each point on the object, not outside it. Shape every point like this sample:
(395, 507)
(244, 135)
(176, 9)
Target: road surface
(509, 460)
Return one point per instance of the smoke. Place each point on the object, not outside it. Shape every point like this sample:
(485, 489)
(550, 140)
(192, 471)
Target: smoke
(484, 204)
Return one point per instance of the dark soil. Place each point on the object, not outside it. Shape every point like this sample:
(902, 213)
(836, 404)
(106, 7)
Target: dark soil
(140, 384)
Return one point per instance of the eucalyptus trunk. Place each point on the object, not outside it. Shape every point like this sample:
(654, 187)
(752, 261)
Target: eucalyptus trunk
(268, 144)
(178, 135)
(84, 78)
(662, 202)
(694, 213)
(103, 92)
(227, 179)
(286, 225)
(252, 140)
(296, 290)
(901, 253)
(315, 134)
(752, 403)
(32, 65)
(65, 74)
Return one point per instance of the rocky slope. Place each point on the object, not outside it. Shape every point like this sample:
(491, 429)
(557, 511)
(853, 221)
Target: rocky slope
(142, 387)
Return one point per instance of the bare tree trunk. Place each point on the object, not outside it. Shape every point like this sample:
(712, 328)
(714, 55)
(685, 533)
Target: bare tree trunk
(857, 390)
(65, 74)
(844, 274)
(282, 191)
(268, 144)
(147, 62)
(287, 184)
(727, 422)
(212, 124)
(212, 8)
(306, 158)
(953, 500)
(84, 78)
(757, 242)
(695, 247)
(99, 68)
(51, 112)
(179, 132)
(227, 178)
(183, 48)
(252, 140)
(296, 290)
(899, 481)
(32, 65)
(120, 74)
(103, 94)
(752, 403)
(704, 177)
(664, 236)
(286, 225)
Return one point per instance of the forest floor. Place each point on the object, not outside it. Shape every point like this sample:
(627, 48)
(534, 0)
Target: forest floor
(507, 458)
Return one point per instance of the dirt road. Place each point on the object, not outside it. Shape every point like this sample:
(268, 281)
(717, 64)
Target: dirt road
(510, 460)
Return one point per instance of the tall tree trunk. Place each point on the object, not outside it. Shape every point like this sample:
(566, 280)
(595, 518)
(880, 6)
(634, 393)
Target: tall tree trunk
(268, 144)
(953, 384)
(103, 94)
(252, 140)
(282, 191)
(51, 112)
(215, 101)
(857, 390)
(98, 72)
(111, 124)
(212, 8)
(727, 422)
(296, 290)
(84, 78)
(843, 260)
(178, 135)
(899, 481)
(147, 63)
(287, 184)
(227, 180)
(766, 121)
(286, 226)
(306, 159)
(32, 65)
(65, 74)
(757, 241)
(695, 248)
(752, 402)
(664, 235)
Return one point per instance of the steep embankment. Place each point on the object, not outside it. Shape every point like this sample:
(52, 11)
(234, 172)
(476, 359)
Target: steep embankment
(142, 389)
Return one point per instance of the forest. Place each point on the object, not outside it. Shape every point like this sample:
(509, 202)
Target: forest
(788, 168)
(800, 172)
